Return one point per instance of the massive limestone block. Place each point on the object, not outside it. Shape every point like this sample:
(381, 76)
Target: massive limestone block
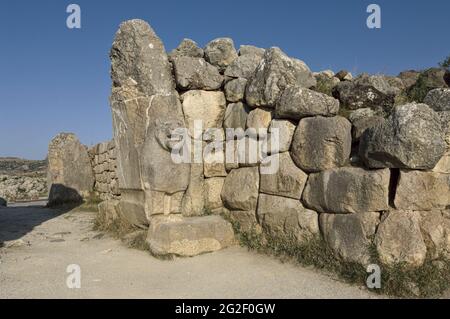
(251, 49)
(244, 66)
(443, 166)
(348, 190)
(204, 106)
(411, 137)
(366, 92)
(220, 53)
(70, 176)
(145, 109)
(399, 239)
(287, 181)
(196, 74)
(240, 190)
(280, 216)
(235, 89)
(435, 228)
(285, 130)
(244, 220)
(236, 116)
(139, 56)
(362, 124)
(297, 102)
(190, 236)
(350, 236)
(214, 160)
(274, 73)
(438, 99)
(321, 143)
(187, 47)
(417, 190)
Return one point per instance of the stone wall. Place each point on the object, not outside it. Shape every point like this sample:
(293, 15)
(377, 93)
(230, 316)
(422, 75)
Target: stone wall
(103, 161)
(356, 162)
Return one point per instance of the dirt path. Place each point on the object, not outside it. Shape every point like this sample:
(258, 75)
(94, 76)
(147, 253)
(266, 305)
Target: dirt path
(40, 243)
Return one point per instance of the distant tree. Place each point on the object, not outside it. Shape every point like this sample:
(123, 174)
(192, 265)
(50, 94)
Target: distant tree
(445, 63)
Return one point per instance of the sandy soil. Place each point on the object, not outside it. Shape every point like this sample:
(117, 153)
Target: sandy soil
(39, 244)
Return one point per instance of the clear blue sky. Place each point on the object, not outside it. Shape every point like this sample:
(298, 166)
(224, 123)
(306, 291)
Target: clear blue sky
(54, 79)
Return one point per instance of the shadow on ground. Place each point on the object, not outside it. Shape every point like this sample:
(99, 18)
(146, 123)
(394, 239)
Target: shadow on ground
(19, 219)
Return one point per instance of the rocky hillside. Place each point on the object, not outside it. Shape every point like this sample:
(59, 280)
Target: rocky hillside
(22, 180)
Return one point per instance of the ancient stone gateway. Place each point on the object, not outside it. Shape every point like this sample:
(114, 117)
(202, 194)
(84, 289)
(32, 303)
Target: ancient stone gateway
(375, 177)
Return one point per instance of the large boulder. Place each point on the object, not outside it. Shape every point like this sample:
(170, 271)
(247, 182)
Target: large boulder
(348, 190)
(213, 189)
(205, 106)
(410, 138)
(240, 190)
(220, 53)
(350, 236)
(251, 49)
(435, 228)
(138, 54)
(366, 92)
(196, 74)
(70, 177)
(258, 121)
(422, 191)
(187, 47)
(297, 102)
(174, 235)
(280, 216)
(287, 181)
(409, 78)
(274, 73)
(399, 240)
(244, 66)
(321, 143)
(438, 99)
(146, 109)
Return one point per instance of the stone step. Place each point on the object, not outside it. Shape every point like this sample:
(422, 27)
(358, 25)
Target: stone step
(189, 236)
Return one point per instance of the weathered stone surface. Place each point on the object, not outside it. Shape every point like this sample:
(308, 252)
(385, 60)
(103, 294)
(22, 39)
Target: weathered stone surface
(213, 189)
(220, 52)
(240, 190)
(208, 107)
(70, 176)
(297, 102)
(344, 75)
(214, 161)
(280, 216)
(139, 56)
(399, 239)
(245, 221)
(443, 166)
(350, 235)
(410, 138)
(132, 207)
(274, 73)
(250, 49)
(244, 66)
(348, 190)
(287, 181)
(321, 143)
(235, 89)
(194, 199)
(285, 130)
(438, 99)
(236, 116)
(259, 120)
(189, 236)
(187, 47)
(365, 92)
(196, 74)
(434, 227)
(417, 190)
